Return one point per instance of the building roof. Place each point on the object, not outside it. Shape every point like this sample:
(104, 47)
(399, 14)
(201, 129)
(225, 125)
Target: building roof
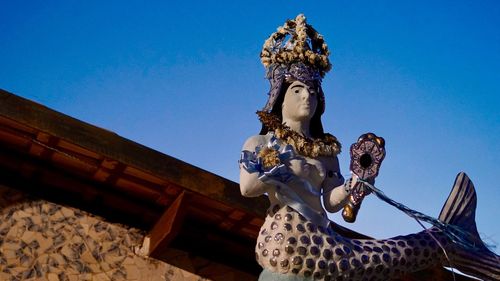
(67, 161)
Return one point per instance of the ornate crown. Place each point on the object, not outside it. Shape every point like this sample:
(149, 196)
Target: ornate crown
(295, 52)
(296, 42)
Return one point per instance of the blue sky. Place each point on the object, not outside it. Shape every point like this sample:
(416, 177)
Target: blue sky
(184, 78)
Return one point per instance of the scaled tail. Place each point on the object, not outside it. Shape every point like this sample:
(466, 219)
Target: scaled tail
(460, 210)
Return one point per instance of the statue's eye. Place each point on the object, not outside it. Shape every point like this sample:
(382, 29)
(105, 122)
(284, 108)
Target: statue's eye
(297, 91)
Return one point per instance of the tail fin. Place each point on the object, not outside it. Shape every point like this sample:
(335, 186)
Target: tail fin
(460, 210)
(460, 207)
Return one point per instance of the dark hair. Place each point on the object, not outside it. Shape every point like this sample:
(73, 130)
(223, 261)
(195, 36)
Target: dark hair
(315, 126)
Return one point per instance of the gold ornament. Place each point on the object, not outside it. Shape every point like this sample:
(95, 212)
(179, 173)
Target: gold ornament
(328, 145)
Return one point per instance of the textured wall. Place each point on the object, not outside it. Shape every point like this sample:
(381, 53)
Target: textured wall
(40, 240)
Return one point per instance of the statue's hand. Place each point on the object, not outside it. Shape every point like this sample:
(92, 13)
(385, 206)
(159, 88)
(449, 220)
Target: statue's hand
(299, 167)
(308, 169)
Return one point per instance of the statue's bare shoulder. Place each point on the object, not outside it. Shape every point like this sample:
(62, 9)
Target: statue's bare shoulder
(256, 140)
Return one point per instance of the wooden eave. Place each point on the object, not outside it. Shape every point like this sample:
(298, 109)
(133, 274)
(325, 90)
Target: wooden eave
(64, 160)
(67, 161)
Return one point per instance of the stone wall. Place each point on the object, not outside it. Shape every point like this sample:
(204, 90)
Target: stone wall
(40, 240)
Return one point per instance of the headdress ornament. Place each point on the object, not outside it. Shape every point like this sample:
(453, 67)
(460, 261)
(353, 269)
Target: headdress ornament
(296, 51)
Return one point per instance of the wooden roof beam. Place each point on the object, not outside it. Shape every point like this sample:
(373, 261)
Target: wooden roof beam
(166, 228)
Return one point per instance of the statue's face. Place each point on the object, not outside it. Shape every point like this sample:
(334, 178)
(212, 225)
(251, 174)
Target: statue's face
(300, 102)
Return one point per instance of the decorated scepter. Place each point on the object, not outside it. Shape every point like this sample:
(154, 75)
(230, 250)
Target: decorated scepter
(367, 155)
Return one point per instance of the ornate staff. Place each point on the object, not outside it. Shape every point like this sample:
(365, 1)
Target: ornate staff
(367, 155)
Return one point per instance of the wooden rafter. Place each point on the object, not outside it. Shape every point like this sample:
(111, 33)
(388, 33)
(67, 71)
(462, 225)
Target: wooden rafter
(167, 226)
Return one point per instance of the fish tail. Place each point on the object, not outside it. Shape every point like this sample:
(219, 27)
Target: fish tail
(460, 210)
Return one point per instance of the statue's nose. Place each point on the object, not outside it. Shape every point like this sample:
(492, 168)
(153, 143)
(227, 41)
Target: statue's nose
(306, 94)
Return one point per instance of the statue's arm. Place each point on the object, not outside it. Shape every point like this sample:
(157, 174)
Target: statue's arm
(250, 185)
(336, 199)
(336, 195)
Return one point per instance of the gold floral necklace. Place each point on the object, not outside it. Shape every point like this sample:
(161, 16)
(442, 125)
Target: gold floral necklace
(328, 145)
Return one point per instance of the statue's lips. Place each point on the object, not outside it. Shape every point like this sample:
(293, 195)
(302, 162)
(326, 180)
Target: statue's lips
(306, 106)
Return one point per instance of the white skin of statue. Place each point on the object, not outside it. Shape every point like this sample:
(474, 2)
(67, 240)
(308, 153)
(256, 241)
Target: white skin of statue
(299, 105)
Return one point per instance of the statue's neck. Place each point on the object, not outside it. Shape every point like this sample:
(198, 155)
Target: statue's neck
(298, 126)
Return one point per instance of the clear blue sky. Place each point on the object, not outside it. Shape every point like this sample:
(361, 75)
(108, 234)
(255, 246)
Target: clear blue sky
(184, 78)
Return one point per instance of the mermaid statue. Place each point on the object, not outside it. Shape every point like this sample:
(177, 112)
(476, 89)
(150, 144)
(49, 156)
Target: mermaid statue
(294, 162)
